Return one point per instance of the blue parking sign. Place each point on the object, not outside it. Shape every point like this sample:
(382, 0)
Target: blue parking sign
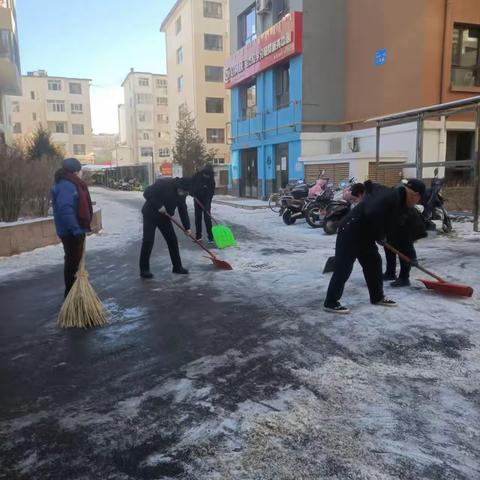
(381, 56)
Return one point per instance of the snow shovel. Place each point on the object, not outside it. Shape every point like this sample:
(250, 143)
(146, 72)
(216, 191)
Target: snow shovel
(222, 235)
(440, 286)
(221, 264)
(329, 265)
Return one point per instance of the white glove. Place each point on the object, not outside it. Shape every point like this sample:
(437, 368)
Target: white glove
(420, 208)
(163, 210)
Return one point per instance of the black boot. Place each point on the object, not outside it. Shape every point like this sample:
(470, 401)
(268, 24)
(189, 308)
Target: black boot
(180, 270)
(146, 274)
(400, 282)
(389, 276)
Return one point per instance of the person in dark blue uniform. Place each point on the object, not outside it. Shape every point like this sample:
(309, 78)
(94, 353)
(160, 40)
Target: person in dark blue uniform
(169, 193)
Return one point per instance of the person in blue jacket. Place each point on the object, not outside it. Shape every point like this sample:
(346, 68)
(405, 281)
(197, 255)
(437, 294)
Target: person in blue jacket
(72, 213)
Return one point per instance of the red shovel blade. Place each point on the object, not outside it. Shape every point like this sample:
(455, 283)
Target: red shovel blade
(221, 264)
(448, 288)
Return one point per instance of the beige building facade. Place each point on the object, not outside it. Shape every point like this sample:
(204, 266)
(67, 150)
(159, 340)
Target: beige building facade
(10, 73)
(144, 120)
(60, 104)
(197, 44)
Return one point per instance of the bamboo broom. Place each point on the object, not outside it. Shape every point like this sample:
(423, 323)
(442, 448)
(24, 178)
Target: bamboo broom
(82, 308)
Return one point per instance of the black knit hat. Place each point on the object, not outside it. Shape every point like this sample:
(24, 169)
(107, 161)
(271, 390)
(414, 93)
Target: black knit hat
(185, 183)
(416, 185)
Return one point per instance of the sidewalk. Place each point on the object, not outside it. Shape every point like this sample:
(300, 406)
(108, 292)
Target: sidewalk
(237, 202)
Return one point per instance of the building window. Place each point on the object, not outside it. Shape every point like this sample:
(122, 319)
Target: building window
(144, 98)
(282, 85)
(32, 95)
(17, 127)
(146, 135)
(180, 83)
(248, 100)
(160, 83)
(164, 152)
(60, 127)
(77, 108)
(144, 116)
(213, 42)
(78, 129)
(180, 55)
(75, 88)
(34, 116)
(182, 111)
(279, 9)
(219, 161)
(79, 149)
(56, 106)
(215, 135)
(213, 74)
(466, 56)
(247, 26)
(212, 10)
(143, 82)
(178, 25)
(162, 101)
(55, 85)
(214, 105)
(162, 118)
(15, 107)
(146, 151)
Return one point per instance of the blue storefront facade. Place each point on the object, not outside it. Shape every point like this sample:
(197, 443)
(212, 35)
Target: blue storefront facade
(266, 117)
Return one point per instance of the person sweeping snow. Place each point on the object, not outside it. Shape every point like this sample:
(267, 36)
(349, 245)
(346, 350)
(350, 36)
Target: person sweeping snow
(371, 221)
(169, 193)
(72, 213)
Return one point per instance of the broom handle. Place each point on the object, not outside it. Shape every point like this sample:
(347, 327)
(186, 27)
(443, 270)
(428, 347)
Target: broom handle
(188, 234)
(409, 260)
(205, 210)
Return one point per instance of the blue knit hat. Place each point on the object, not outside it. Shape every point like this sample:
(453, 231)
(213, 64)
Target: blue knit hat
(71, 165)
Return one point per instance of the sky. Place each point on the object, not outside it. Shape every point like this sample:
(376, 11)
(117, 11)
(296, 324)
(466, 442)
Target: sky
(96, 39)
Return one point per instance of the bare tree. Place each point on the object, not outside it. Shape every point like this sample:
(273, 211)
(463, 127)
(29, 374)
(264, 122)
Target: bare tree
(12, 183)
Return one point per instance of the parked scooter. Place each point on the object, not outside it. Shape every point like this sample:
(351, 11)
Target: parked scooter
(316, 210)
(293, 206)
(433, 205)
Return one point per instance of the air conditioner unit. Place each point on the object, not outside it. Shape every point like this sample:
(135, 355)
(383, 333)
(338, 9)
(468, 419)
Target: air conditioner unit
(263, 7)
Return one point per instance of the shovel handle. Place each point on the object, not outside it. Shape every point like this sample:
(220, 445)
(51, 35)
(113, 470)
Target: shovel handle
(409, 260)
(164, 212)
(205, 210)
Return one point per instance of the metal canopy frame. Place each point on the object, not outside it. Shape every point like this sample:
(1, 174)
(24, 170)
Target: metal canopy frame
(419, 115)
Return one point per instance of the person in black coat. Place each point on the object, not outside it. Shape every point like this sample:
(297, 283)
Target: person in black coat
(203, 189)
(169, 193)
(371, 221)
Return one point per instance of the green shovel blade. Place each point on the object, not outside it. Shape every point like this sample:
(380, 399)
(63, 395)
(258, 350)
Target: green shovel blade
(223, 236)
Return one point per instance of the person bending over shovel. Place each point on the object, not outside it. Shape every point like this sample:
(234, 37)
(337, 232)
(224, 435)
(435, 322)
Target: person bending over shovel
(72, 214)
(171, 194)
(372, 220)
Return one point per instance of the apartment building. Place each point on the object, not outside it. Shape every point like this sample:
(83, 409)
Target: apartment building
(305, 75)
(10, 73)
(144, 120)
(198, 43)
(60, 104)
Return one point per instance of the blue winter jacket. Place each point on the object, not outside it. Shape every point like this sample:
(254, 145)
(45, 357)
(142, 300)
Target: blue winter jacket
(65, 209)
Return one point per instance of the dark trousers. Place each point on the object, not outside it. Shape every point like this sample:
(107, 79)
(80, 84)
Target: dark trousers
(152, 221)
(73, 248)
(199, 213)
(405, 246)
(347, 250)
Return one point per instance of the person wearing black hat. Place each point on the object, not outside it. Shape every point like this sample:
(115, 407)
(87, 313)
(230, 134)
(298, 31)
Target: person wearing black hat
(370, 221)
(169, 193)
(72, 214)
(203, 189)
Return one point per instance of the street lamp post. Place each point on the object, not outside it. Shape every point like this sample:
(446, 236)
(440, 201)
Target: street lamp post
(153, 165)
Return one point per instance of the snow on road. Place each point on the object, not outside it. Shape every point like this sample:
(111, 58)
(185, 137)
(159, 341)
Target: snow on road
(379, 394)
